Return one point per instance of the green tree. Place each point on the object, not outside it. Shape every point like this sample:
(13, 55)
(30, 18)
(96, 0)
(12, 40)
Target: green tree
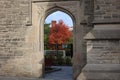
(46, 32)
(70, 41)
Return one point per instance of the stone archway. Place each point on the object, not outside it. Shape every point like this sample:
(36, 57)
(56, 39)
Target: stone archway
(21, 37)
(40, 9)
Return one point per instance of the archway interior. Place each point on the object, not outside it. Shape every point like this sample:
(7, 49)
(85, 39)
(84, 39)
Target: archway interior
(59, 57)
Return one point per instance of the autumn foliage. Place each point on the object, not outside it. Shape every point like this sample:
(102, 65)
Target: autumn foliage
(59, 33)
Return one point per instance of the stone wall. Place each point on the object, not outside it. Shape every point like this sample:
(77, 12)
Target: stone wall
(106, 9)
(81, 29)
(21, 34)
(17, 54)
(103, 44)
(103, 41)
(14, 11)
(103, 52)
(88, 11)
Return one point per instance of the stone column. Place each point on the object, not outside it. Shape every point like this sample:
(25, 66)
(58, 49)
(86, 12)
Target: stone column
(103, 53)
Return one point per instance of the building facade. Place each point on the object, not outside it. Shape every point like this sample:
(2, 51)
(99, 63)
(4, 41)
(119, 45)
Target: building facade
(96, 37)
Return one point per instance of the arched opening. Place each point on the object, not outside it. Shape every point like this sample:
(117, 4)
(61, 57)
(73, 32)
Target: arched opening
(40, 10)
(65, 65)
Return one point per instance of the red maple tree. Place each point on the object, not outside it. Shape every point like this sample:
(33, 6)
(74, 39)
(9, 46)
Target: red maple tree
(59, 33)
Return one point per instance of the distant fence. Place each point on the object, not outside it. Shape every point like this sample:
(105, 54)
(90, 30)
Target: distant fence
(54, 52)
(67, 49)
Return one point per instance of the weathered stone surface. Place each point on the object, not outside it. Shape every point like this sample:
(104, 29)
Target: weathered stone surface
(21, 35)
(108, 31)
(106, 9)
(103, 53)
(100, 72)
(15, 52)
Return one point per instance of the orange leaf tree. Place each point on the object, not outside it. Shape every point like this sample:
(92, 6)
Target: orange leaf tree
(59, 33)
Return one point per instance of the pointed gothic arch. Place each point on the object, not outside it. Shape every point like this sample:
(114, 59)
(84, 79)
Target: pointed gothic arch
(57, 8)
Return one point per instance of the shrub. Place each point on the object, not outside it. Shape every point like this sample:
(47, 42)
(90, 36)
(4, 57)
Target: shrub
(68, 60)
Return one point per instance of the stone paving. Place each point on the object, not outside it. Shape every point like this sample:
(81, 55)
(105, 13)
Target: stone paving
(64, 74)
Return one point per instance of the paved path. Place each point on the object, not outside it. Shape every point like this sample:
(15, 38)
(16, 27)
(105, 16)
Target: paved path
(64, 74)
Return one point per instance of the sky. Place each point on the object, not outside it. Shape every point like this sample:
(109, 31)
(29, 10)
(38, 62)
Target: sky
(58, 15)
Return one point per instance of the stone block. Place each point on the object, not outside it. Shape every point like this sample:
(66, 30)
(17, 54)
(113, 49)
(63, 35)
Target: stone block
(100, 72)
(105, 7)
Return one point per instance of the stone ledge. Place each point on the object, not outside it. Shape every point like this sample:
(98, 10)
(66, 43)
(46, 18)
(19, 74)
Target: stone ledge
(100, 72)
(102, 68)
(104, 32)
(99, 76)
(113, 21)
